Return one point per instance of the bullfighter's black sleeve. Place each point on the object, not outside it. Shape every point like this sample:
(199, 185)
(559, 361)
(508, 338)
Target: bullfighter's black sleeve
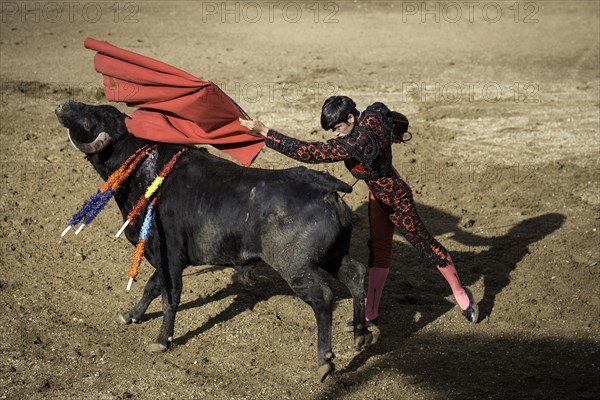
(314, 153)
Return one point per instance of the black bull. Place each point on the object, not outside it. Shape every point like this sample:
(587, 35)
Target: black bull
(212, 211)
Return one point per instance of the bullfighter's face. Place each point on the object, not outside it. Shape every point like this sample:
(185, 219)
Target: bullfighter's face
(344, 128)
(91, 128)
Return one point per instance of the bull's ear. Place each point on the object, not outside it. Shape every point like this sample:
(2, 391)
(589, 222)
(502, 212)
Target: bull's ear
(121, 126)
(97, 145)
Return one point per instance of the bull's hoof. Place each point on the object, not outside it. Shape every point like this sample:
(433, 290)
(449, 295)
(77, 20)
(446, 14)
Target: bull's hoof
(359, 342)
(156, 348)
(124, 318)
(363, 340)
(324, 370)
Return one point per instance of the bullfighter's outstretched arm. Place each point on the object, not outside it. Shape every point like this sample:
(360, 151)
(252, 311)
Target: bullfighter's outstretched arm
(308, 152)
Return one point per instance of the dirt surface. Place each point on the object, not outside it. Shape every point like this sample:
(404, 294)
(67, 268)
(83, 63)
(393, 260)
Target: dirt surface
(503, 100)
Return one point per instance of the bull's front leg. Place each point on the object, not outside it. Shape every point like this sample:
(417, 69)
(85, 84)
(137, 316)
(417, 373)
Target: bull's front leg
(172, 284)
(152, 290)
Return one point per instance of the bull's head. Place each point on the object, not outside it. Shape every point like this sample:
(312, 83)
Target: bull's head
(91, 128)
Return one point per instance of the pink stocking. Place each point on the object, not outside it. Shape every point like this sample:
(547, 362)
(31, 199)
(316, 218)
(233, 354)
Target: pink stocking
(377, 277)
(449, 272)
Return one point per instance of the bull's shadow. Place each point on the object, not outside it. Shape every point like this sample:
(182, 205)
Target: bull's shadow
(415, 293)
(267, 283)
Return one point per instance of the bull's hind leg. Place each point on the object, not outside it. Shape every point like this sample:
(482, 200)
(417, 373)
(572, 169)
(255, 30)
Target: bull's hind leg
(151, 292)
(314, 291)
(352, 275)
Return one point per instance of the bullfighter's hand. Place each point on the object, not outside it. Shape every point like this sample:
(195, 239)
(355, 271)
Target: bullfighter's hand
(255, 125)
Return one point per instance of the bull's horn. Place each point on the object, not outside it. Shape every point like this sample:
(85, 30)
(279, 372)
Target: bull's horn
(99, 144)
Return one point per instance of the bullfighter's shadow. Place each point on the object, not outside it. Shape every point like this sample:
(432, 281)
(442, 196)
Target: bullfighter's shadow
(415, 293)
(466, 365)
(413, 281)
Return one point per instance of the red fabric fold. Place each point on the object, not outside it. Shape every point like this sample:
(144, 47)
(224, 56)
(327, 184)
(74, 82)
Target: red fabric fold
(173, 106)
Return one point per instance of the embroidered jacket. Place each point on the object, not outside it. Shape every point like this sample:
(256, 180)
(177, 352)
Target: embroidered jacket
(366, 151)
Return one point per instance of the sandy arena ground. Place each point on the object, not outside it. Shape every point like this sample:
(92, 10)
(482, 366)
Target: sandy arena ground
(504, 102)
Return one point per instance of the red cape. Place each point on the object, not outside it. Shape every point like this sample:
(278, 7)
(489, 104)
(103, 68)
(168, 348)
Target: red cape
(174, 106)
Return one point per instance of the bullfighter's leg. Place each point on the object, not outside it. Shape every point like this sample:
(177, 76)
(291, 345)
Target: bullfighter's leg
(172, 284)
(151, 291)
(352, 275)
(408, 222)
(316, 293)
(380, 256)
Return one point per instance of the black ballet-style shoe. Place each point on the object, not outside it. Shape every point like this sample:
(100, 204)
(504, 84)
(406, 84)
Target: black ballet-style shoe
(472, 312)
